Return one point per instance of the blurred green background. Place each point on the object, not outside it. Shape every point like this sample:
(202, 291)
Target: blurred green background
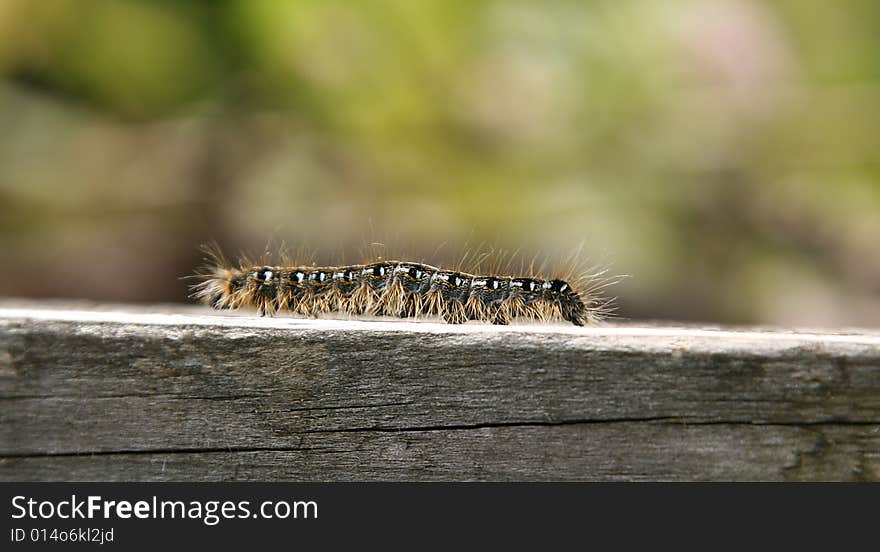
(723, 153)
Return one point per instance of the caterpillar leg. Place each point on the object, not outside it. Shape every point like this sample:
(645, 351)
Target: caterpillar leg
(455, 313)
(501, 319)
(412, 306)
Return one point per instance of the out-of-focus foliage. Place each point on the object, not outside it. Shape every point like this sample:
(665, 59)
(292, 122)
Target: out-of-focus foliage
(721, 152)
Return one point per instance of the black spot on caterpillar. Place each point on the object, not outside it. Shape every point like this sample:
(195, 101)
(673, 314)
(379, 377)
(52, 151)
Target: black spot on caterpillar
(397, 288)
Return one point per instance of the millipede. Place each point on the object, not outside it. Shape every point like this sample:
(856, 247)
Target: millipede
(400, 289)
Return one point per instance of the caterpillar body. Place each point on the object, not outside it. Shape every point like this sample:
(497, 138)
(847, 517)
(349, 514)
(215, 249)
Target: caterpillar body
(394, 288)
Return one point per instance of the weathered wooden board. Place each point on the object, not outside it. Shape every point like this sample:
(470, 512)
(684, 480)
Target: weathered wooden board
(187, 395)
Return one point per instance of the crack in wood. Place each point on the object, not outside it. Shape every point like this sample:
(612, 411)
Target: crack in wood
(673, 421)
(171, 396)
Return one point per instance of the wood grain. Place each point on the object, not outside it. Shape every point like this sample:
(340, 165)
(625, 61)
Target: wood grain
(182, 394)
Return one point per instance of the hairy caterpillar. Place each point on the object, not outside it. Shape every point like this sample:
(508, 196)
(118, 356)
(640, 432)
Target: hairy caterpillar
(396, 288)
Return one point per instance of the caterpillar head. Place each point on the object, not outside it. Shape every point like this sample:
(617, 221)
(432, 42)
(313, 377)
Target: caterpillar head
(569, 301)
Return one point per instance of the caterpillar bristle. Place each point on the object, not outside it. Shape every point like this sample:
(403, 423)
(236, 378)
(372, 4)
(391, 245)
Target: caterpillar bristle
(402, 289)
